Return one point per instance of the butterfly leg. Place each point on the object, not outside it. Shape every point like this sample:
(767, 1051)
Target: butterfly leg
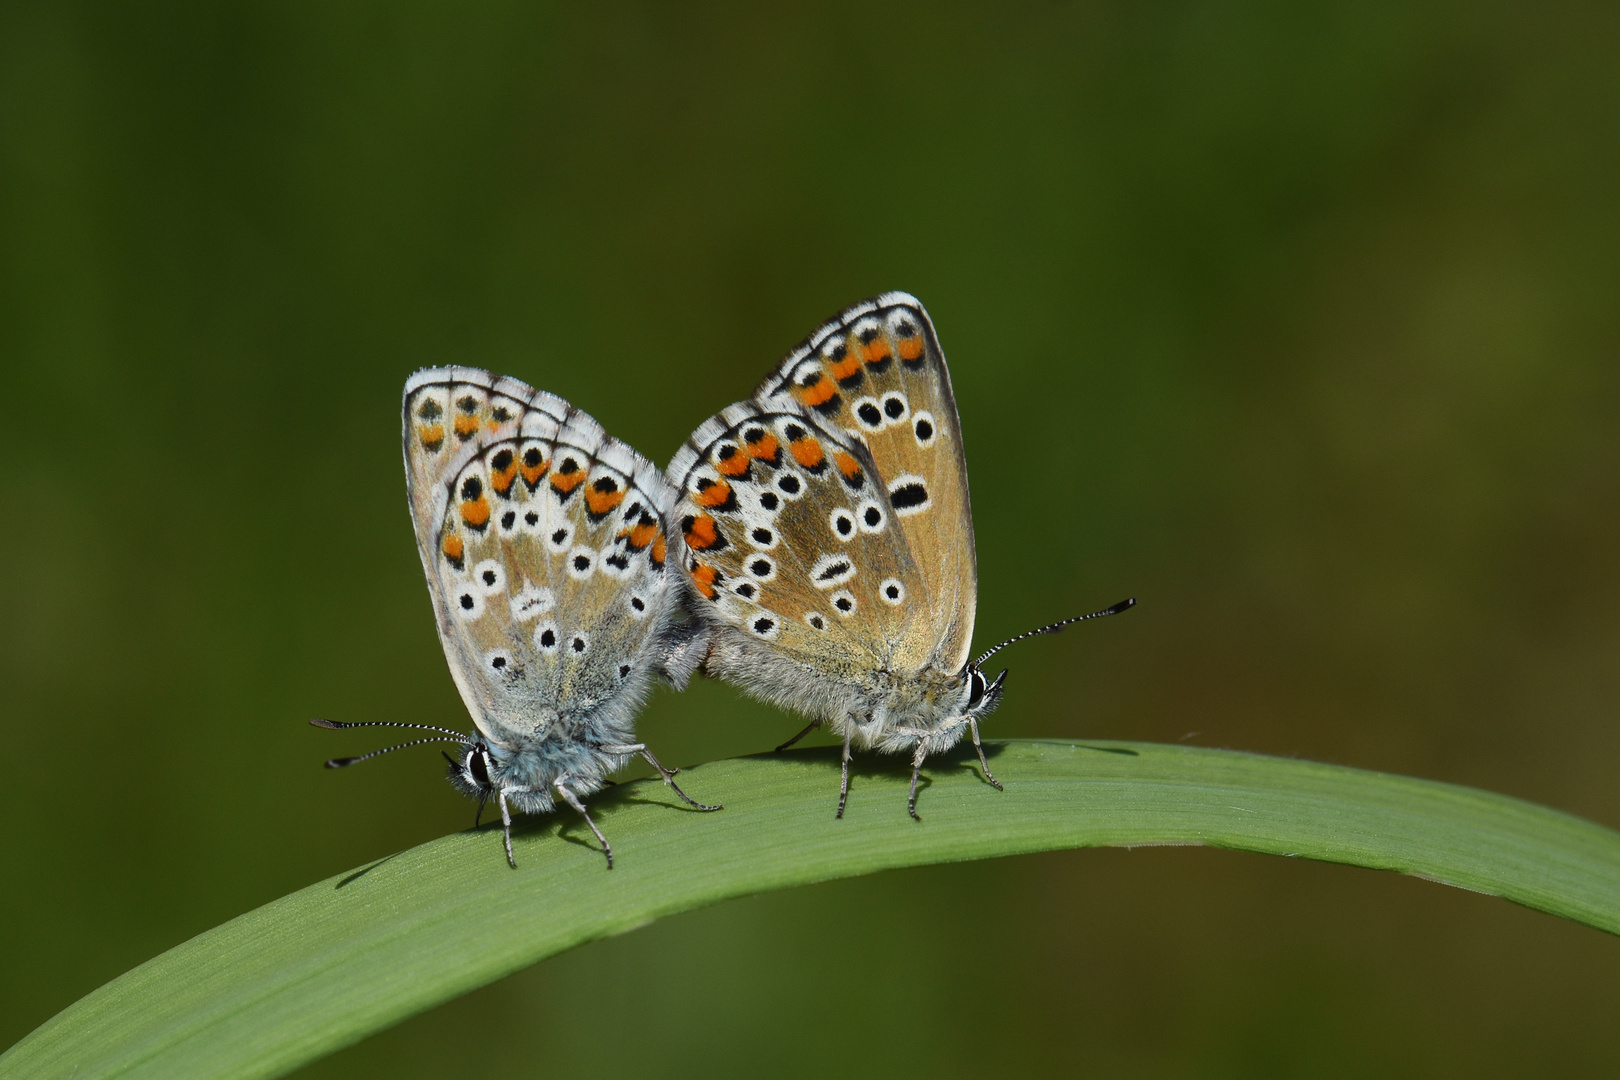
(669, 778)
(573, 800)
(916, 767)
(808, 728)
(843, 785)
(506, 826)
(667, 774)
(973, 726)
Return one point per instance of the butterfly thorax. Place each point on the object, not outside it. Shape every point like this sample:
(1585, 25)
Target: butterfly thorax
(526, 772)
(932, 706)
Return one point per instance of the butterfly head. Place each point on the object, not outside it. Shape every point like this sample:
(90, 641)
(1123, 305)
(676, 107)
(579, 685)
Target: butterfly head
(982, 695)
(472, 771)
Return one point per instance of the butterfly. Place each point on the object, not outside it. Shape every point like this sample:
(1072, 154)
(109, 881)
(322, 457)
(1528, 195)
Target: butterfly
(545, 546)
(830, 541)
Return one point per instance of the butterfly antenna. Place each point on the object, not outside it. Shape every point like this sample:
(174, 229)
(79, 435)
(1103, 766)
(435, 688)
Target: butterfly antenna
(343, 762)
(339, 725)
(1123, 605)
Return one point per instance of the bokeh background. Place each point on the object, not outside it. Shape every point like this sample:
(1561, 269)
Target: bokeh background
(1297, 321)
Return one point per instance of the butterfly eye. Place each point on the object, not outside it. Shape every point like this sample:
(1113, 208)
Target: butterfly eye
(975, 688)
(477, 767)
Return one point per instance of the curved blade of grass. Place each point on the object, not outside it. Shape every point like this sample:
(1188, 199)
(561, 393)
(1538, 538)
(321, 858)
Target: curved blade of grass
(325, 966)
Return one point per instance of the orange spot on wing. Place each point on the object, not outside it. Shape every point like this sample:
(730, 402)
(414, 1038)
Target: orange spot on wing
(531, 476)
(566, 482)
(501, 479)
(703, 577)
(432, 435)
(466, 426)
(911, 348)
(765, 449)
(600, 502)
(806, 451)
(658, 550)
(878, 351)
(817, 393)
(714, 495)
(702, 533)
(639, 536)
(849, 365)
(453, 549)
(847, 465)
(735, 465)
(475, 512)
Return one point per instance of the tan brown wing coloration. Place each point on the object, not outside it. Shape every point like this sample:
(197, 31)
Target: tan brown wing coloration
(877, 374)
(544, 543)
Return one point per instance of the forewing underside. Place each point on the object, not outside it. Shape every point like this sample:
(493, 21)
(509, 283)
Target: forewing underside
(876, 374)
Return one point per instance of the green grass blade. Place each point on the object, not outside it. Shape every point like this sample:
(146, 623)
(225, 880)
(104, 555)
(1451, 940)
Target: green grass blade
(328, 965)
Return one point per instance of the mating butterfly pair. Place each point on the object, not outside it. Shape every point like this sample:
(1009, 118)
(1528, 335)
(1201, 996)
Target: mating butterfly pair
(813, 545)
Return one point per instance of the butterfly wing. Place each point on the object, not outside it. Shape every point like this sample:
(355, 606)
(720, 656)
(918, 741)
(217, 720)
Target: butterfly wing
(543, 541)
(877, 370)
(828, 515)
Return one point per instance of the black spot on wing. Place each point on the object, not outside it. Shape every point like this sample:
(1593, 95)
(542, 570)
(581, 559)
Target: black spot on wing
(908, 495)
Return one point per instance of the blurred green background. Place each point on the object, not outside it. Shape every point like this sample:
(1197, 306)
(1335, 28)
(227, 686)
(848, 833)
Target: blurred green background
(1298, 322)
